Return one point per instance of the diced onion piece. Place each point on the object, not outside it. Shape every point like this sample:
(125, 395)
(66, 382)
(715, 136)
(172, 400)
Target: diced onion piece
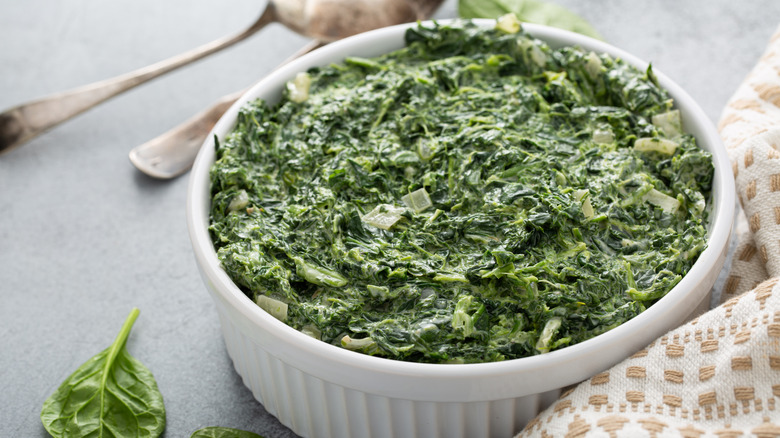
(508, 23)
(240, 201)
(357, 344)
(425, 149)
(666, 202)
(583, 197)
(299, 87)
(425, 327)
(603, 136)
(318, 275)
(405, 158)
(549, 330)
(479, 238)
(383, 216)
(312, 331)
(669, 123)
(538, 56)
(418, 200)
(700, 205)
(447, 278)
(460, 317)
(378, 291)
(593, 65)
(275, 308)
(653, 144)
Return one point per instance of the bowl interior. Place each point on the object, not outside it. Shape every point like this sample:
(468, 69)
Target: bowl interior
(467, 382)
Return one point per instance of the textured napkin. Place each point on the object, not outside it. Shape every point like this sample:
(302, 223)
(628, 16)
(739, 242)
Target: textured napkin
(718, 375)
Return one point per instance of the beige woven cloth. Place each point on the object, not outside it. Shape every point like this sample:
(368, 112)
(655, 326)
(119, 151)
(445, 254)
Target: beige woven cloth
(718, 375)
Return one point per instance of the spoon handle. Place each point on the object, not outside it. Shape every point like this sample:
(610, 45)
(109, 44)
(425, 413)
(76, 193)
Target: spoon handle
(23, 122)
(172, 153)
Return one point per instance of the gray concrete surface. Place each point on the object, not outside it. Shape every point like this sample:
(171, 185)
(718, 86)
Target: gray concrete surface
(84, 237)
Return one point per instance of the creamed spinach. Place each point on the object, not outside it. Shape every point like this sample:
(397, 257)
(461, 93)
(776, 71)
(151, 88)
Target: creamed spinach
(475, 196)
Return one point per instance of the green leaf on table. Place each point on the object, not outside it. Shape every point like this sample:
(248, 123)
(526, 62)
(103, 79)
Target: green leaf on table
(529, 11)
(111, 395)
(223, 432)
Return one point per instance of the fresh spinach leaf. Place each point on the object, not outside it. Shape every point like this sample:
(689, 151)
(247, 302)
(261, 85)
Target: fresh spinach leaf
(112, 394)
(223, 432)
(531, 11)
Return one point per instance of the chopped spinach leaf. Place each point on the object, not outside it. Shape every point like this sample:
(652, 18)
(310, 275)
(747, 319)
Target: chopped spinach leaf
(111, 394)
(475, 196)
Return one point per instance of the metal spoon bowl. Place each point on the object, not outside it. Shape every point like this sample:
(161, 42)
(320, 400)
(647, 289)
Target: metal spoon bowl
(172, 153)
(325, 20)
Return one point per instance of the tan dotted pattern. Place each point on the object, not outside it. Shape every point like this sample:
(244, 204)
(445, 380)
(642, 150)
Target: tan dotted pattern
(746, 104)
(741, 363)
(763, 292)
(706, 372)
(732, 283)
(747, 252)
(774, 183)
(709, 346)
(748, 157)
(747, 270)
(750, 191)
(769, 92)
(635, 396)
(728, 120)
(742, 336)
(600, 379)
(598, 399)
(728, 433)
(758, 184)
(612, 424)
(691, 432)
(755, 223)
(673, 376)
(672, 400)
(674, 350)
(716, 376)
(634, 372)
(708, 398)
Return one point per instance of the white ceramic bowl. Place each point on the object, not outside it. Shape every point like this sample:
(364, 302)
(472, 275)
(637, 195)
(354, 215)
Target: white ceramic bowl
(319, 390)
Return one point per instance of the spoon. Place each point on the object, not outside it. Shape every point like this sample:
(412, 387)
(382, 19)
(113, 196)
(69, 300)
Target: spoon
(324, 20)
(172, 153)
